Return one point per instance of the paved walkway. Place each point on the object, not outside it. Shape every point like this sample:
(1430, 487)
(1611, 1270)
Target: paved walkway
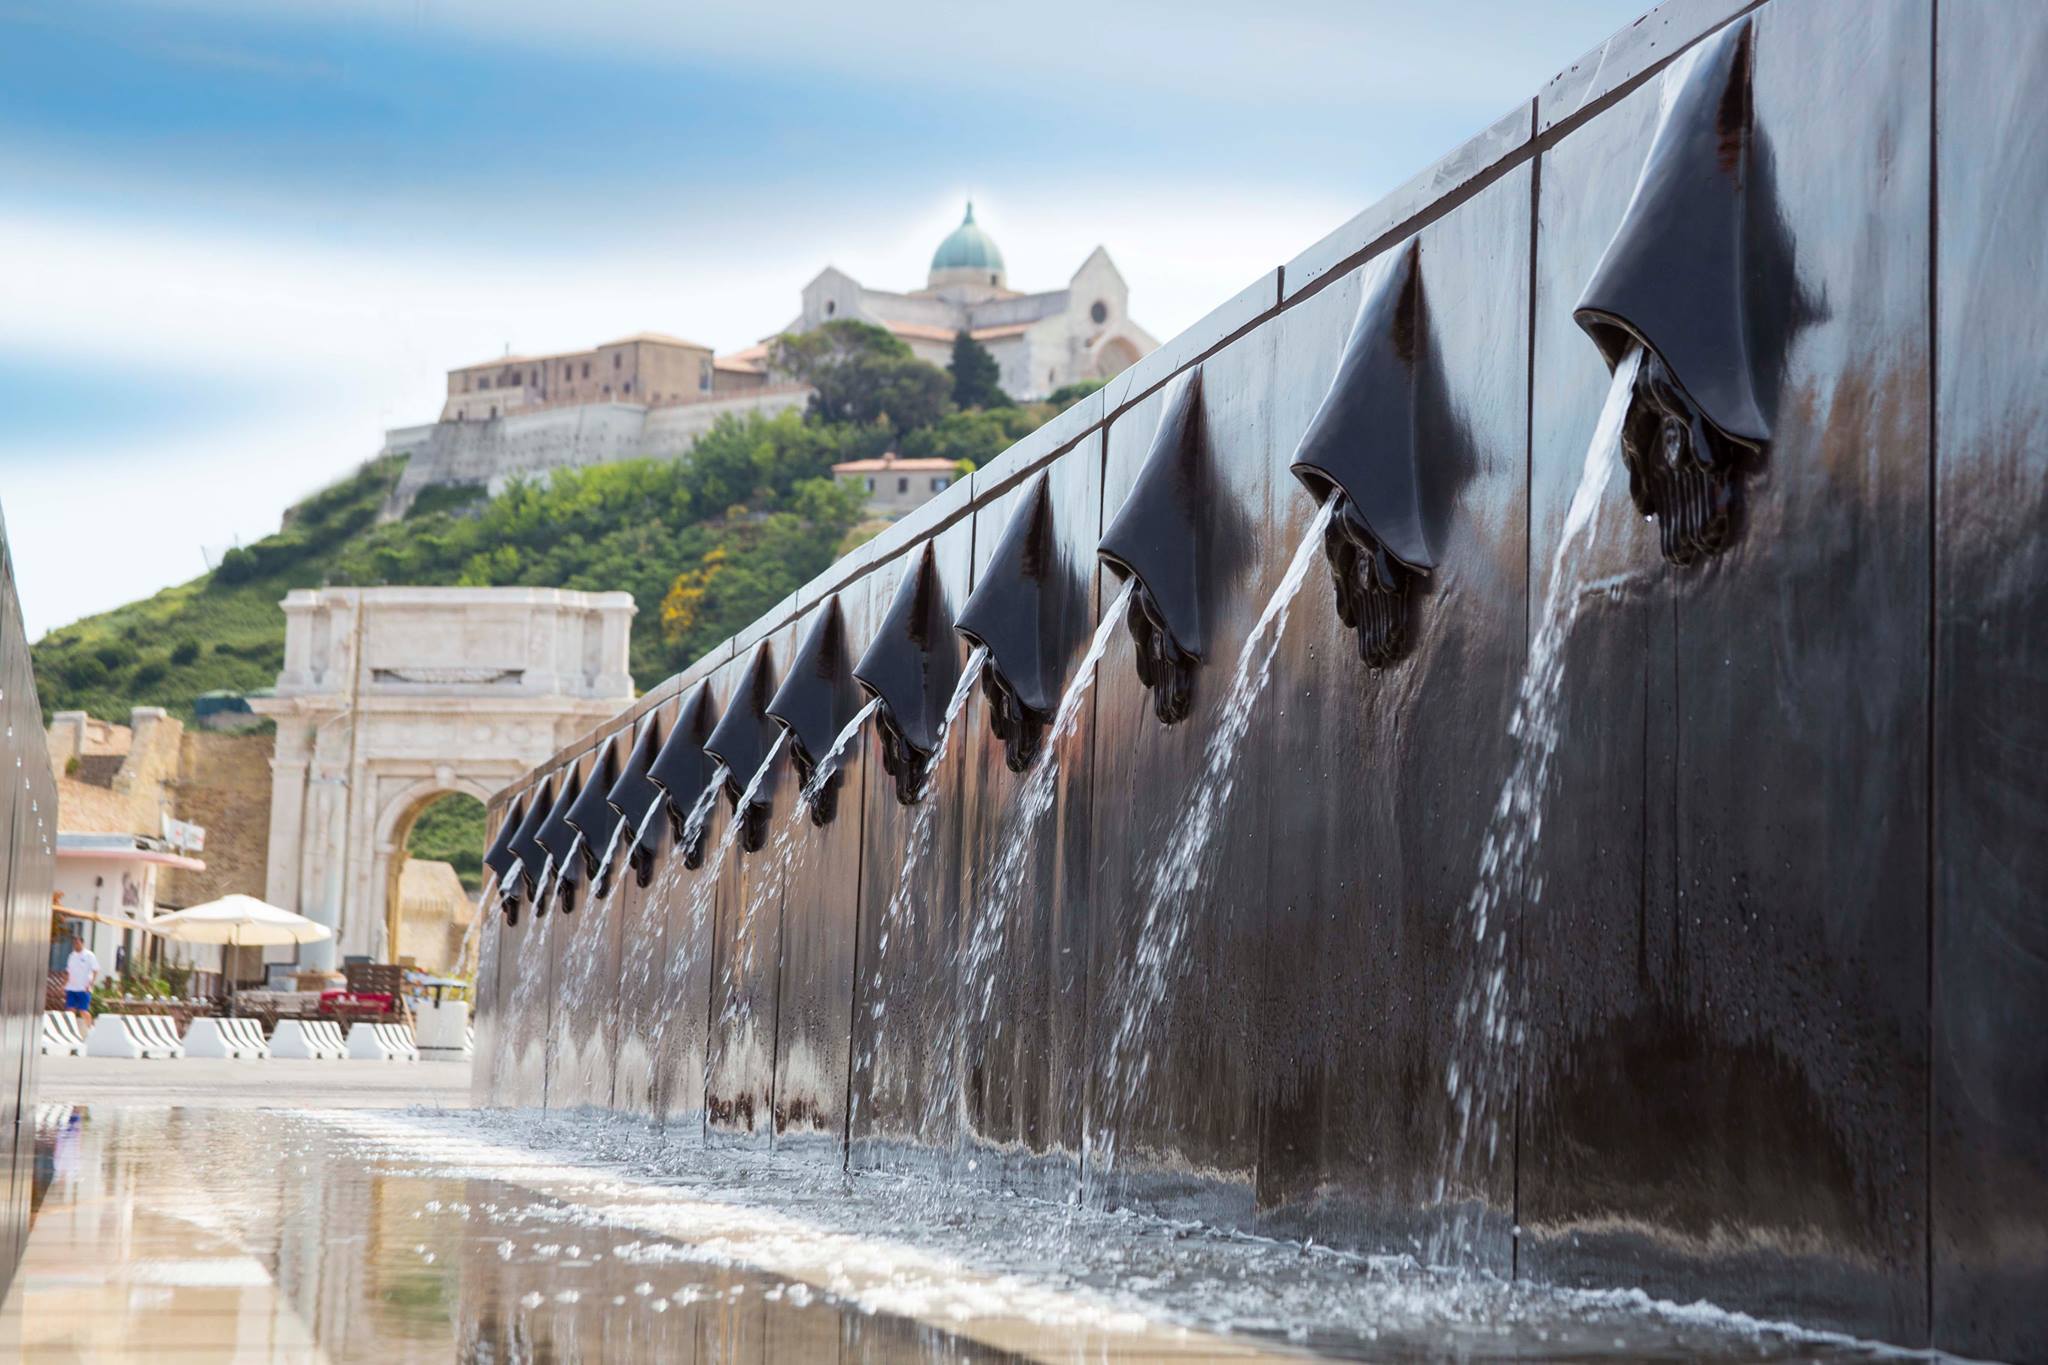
(278, 1083)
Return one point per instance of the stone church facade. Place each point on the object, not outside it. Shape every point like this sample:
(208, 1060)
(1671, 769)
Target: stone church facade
(1040, 341)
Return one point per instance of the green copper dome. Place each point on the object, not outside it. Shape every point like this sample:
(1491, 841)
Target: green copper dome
(968, 248)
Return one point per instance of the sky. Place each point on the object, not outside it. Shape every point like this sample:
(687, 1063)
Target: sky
(239, 239)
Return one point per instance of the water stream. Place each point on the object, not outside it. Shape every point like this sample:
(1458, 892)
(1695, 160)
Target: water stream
(1479, 1075)
(997, 897)
(1187, 861)
(870, 1062)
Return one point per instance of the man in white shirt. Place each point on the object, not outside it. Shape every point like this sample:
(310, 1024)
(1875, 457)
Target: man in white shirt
(80, 971)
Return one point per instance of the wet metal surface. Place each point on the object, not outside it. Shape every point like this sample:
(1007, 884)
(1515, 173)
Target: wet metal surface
(195, 1235)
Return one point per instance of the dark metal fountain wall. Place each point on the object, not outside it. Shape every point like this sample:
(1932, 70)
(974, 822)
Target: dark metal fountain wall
(1664, 910)
(28, 839)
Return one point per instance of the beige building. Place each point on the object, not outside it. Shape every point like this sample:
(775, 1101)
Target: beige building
(647, 369)
(894, 485)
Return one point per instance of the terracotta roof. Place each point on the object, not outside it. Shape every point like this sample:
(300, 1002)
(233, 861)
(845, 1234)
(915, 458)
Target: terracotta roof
(894, 464)
(1008, 329)
(658, 339)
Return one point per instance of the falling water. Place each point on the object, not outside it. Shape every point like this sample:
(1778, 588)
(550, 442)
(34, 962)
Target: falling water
(896, 916)
(996, 904)
(1480, 1072)
(786, 857)
(1188, 858)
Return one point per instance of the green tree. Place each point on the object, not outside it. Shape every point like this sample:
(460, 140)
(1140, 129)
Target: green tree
(1066, 395)
(975, 375)
(862, 375)
(979, 435)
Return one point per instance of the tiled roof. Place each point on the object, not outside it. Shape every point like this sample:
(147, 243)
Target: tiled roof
(894, 464)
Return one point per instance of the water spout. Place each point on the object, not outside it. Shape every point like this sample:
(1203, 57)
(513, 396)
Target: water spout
(1675, 281)
(528, 856)
(1157, 542)
(1360, 455)
(1014, 613)
(744, 741)
(817, 700)
(595, 819)
(683, 768)
(560, 841)
(911, 666)
(636, 799)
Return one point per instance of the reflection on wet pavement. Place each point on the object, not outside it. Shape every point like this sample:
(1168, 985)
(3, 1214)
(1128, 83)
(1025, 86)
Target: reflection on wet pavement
(207, 1235)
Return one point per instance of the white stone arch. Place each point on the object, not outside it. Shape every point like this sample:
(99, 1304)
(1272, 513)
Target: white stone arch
(392, 696)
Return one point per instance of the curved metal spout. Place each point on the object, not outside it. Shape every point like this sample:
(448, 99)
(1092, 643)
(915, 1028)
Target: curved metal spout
(1009, 614)
(742, 740)
(817, 700)
(682, 769)
(1361, 450)
(498, 857)
(559, 839)
(632, 795)
(594, 818)
(1674, 280)
(527, 852)
(911, 667)
(1156, 541)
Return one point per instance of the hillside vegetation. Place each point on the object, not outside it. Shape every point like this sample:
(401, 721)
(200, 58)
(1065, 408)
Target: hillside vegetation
(705, 543)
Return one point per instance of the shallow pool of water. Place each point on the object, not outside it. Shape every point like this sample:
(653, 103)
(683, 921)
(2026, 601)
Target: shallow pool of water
(202, 1234)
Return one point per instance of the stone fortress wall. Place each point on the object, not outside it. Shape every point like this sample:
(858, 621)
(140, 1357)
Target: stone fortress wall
(28, 842)
(495, 451)
(1739, 996)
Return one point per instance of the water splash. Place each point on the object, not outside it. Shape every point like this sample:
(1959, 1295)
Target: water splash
(870, 1063)
(1187, 860)
(788, 854)
(998, 895)
(1480, 1072)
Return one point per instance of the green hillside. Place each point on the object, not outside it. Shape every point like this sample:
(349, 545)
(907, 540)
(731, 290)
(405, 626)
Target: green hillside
(705, 543)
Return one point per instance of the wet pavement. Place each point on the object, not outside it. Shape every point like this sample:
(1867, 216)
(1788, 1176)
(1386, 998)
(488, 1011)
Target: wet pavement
(190, 1233)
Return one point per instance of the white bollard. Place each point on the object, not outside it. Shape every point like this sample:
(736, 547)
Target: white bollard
(61, 1036)
(129, 1035)
(207, 1038)
(381, 1043)
(443, 1030)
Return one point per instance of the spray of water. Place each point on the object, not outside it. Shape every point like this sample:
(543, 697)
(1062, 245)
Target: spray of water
(870, 1064)
(788, 854)
(1187, 860)
(995, 907)
(1479, 1075)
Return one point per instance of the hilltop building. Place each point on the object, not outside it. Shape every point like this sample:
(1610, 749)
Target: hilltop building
(647, 369)
(1040, 341)
(894, 485)
(652, 395)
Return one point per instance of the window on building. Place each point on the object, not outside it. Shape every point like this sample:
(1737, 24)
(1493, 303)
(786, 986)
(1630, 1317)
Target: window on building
(484, 383)
(627, 387)
(465, 383)
(618, 360)
(831, 307)
(903, 485)
(704, 375)
(1099, 311)
(992, 279)
(586, 369)
(494, 409)
(939, 484)
(607, 391)
(871, 485)
(568, 373)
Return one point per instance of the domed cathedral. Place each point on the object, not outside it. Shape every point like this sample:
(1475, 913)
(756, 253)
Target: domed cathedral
(1040, 341)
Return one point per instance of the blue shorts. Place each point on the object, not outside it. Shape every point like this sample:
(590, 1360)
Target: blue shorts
(77, 1001)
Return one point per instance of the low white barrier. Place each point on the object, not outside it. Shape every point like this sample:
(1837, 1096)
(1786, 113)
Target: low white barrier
(61, 1035)
(313, 1040)
(242, 1038)
(441, 1030)
(133, 1035)
(381, 1043)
